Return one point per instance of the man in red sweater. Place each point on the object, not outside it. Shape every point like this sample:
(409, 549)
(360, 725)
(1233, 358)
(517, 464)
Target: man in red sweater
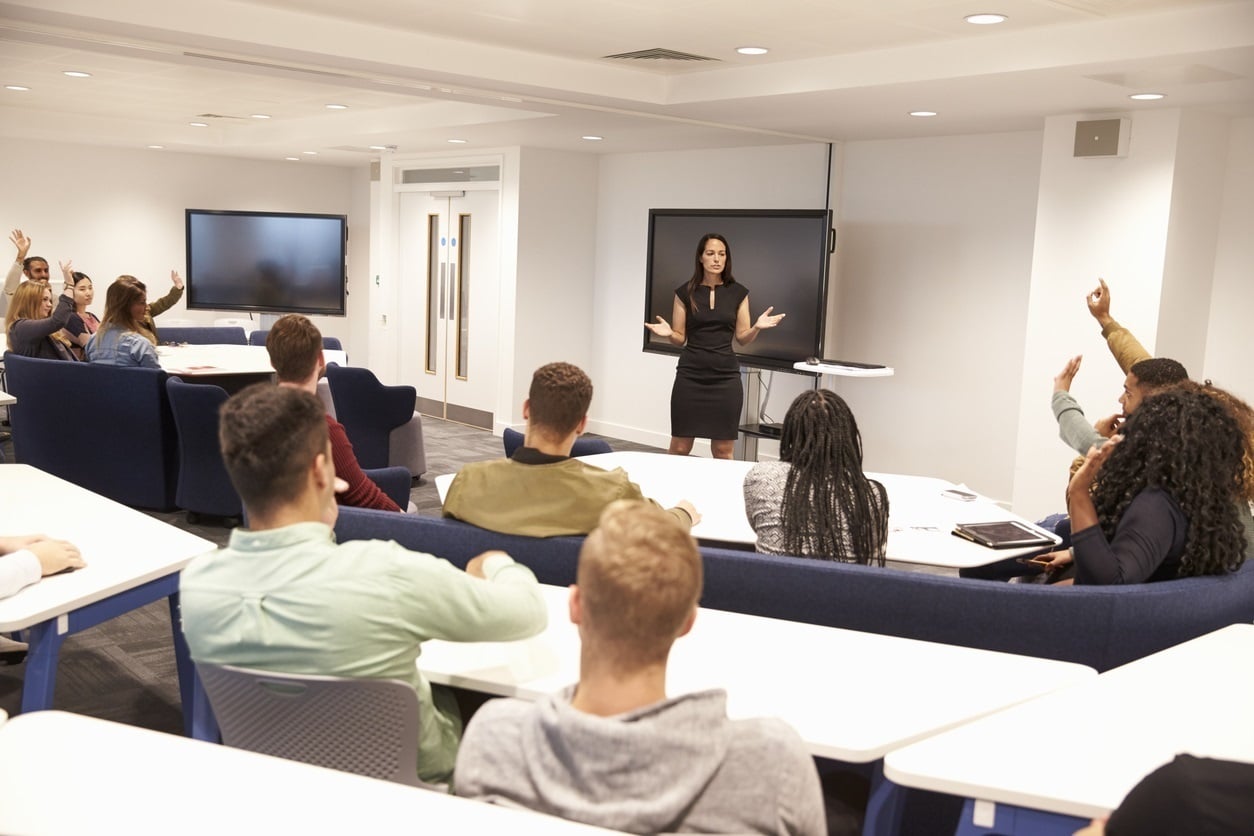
(295, 347)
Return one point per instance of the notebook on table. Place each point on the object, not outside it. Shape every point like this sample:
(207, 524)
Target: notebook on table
(1008, 534)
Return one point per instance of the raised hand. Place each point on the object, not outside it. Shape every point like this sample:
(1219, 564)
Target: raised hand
(662, 328)
(768, 321)
(1099, 302)
(1062, 380)
(176, 279)
(67, 270)
(20, 241)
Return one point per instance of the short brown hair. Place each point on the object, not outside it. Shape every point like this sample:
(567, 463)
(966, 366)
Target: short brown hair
(294, 344)
(639, 579)
(269, 435)
(124, 292)
(560, 395)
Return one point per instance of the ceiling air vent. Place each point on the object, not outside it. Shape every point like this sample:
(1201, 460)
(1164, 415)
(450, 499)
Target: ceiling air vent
(658, 54)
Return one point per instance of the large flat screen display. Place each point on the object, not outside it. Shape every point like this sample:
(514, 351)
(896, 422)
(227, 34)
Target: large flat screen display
(780, 256)
(266, 261)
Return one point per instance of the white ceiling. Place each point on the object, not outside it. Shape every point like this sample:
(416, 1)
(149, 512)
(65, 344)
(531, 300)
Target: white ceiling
(532, 72)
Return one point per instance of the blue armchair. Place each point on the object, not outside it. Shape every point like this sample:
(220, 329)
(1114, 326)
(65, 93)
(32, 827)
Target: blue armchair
(370, 412)
(208, 335)
(203, 484)
(512, 439)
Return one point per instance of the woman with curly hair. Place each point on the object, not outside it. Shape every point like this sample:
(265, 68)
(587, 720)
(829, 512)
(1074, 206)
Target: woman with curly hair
(815, 501)
(1163, 500)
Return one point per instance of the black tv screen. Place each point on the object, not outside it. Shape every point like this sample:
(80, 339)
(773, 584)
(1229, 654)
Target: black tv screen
(266, 261)
(779, 255)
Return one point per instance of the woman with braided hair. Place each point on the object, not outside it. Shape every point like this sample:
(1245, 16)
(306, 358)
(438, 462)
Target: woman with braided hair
(815, 501)
(1163, 500)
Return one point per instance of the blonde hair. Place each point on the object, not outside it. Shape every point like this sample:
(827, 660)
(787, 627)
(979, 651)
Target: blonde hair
(639, 580)
(24, 305)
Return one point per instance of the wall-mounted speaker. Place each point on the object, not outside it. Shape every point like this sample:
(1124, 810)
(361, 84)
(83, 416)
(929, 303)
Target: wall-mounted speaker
(1102, 138)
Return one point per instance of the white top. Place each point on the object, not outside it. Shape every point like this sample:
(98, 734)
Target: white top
(851, 696)
(206, 360)
(122, 547)
(64, 773)
(17, 570)
(1079, 751)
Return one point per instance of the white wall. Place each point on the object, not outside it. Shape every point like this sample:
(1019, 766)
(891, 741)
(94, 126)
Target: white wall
(935, 251)
(1230, 335)
(633, 388)
(117, 211)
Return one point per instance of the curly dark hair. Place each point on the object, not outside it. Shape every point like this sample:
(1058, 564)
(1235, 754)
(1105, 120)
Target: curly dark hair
(1243, 414)
(1187, 444)
(829, 509)
(1157, 372)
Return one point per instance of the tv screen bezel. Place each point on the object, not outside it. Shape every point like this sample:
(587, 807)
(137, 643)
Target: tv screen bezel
(341, 310)
(745, 359)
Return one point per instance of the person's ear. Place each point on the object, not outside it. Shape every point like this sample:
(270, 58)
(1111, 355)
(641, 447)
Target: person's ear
(319, 471)
(527, 409)
(583, 425)
(688, 622)
(575, 605)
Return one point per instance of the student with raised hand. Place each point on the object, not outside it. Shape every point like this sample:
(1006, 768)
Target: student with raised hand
(120, 341)
(284, 596)
(84, 294)
(33, 325)
(815, 501)
(25, 559)
(614, 750)
(13, 277)
(148, 327)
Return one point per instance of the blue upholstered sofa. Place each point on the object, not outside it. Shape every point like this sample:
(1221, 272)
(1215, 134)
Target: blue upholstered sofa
(106, 428)
(1102, 627)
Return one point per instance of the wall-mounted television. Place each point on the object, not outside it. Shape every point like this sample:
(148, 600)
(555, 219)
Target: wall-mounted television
(266, 261)
(780, 255)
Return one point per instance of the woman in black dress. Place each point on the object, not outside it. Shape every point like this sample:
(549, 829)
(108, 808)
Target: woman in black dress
(710, 310)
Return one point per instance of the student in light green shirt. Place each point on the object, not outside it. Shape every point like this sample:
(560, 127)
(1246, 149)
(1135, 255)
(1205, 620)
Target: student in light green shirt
(284, 596)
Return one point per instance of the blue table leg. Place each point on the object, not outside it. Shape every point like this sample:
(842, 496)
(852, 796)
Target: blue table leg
(884, 808)
(41, 665)
(1020, 821)
(188, 683)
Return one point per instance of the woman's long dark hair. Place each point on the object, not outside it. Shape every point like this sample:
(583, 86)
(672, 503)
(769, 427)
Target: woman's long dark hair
(1187, 444)
(698, 271)
(830, 509)
(122, 294)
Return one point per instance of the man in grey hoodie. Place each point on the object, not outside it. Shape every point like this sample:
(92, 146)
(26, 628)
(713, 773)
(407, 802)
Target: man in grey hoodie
(614, 751)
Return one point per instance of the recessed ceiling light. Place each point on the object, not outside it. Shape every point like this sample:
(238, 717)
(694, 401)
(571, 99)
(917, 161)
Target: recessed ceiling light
(922, 113)
(156, 147)
(592, 138)
(199, 124)
(752, 50)
(77, 74)
(19, 88)
(1147, 97)
(459, 141)
(259, 115)
(292, 159)
(337, 107)
(985, 18)
(378, 147)
(310, 153)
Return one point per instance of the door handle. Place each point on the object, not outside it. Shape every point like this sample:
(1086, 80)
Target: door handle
(442, 284)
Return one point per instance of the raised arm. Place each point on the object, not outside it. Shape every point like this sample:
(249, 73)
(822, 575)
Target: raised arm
(746, 333)
(170, 299)
(1126, 348)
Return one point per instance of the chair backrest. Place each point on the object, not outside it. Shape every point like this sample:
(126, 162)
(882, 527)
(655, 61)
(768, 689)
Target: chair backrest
(512, 439)
(332, 343)
(258, 337)
(365, 726)
(204, 487)
(205, 335)
(369, 411)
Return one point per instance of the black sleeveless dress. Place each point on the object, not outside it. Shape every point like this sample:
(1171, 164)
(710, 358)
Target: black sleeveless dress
(707, 395)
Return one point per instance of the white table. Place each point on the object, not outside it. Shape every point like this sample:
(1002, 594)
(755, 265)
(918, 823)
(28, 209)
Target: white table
(1077, 752)
(132, 559)
(64, 773)
(6, 399)
(835, 370)
(215, 360)
(920, 517)
(851, 696)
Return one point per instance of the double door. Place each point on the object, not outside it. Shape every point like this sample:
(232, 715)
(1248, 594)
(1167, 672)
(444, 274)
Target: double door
(450, 270)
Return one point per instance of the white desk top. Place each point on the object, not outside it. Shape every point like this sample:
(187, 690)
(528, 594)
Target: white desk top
(6, 398)
(122, 547)
(206, 360)
(1079, 751)
(842, 371)
(920, 517)
(64, 773)
(851, 696)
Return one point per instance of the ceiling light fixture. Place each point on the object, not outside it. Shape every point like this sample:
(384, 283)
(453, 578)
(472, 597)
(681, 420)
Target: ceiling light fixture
(459, 141)
(337, 107)
(922, 113)
(592, 138)
(156, 147)
(752, 50)
(310, 153)
(259, 115)
(19, 88)
(199, 124)
(985, 18)
(378, 147)
(1147, 97)
(292, 159)
(76, 74)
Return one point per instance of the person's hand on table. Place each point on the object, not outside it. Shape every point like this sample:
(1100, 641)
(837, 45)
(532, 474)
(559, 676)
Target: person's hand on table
(1062, 380)
(475, 567)
(18, 542)
(1098, 301)
(56, 556)
(689, 509)
(1097, 827)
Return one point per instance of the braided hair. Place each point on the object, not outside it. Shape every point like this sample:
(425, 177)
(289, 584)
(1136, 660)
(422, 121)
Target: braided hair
(830, 509)
(1186, 443)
